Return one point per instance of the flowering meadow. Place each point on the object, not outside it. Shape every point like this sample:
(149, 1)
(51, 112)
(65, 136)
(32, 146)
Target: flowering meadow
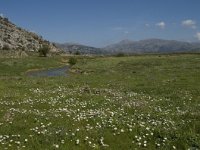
(137, 102)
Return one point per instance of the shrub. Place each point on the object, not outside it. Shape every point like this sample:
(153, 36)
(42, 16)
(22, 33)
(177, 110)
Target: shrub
(77, 53)
(44, 50)
(120, 55)
(72, 61)
(6, 19)
(70, 52)
(6, 47)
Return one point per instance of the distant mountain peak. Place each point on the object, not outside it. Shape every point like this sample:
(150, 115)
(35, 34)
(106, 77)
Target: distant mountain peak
(83, 49)
(152, 46)
(125, 41)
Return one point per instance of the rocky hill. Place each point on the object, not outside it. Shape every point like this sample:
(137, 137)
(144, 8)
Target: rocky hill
(16, 38)
(153, 46)
(82, 49)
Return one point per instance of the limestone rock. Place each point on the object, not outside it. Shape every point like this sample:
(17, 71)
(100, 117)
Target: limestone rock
(16, 38)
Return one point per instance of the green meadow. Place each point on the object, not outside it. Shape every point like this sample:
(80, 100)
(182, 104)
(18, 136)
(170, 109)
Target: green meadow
(132, 102)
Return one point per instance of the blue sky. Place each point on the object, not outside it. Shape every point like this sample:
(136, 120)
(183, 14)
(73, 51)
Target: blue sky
(102, 22)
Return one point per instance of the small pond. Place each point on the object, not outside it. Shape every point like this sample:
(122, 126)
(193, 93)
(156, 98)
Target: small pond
(61, 71)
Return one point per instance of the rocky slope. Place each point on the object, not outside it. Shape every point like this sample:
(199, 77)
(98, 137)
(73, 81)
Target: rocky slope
(82, 49)
(16, 38)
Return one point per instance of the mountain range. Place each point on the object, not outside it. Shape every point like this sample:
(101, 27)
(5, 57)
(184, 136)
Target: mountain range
(152, 46)
(73, 48)
(16, 38)
(135, 47)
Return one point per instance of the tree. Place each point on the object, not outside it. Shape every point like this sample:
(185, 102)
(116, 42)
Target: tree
(72, 61)
(120, 54)
(44, 50)
(77, 53)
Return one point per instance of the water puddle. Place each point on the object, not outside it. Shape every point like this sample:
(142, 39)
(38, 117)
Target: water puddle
(62, 71)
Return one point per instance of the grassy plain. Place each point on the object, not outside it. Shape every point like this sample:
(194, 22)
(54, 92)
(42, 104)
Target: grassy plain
(137, 102)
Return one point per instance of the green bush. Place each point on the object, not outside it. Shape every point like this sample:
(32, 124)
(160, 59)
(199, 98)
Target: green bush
(120, 55)
(44, 50)
(77, 53)
(72, 61)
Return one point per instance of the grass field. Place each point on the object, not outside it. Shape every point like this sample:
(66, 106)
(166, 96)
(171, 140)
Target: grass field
(137, 102)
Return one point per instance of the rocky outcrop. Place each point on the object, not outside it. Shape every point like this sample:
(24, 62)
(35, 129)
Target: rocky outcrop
(82, 49)
(16, 38)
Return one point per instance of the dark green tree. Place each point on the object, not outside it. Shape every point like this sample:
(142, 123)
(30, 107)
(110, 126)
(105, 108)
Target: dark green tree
(44, 50)
(77, 53)
(72, 61)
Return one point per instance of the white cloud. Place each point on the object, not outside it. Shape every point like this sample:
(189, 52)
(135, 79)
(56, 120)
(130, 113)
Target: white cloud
(198, 35)
(161, 24)
(126, 32)
(147, 25)
(121, 30)
(189, 23)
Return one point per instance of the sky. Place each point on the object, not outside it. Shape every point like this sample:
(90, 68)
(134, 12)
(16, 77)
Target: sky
(102, 22)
